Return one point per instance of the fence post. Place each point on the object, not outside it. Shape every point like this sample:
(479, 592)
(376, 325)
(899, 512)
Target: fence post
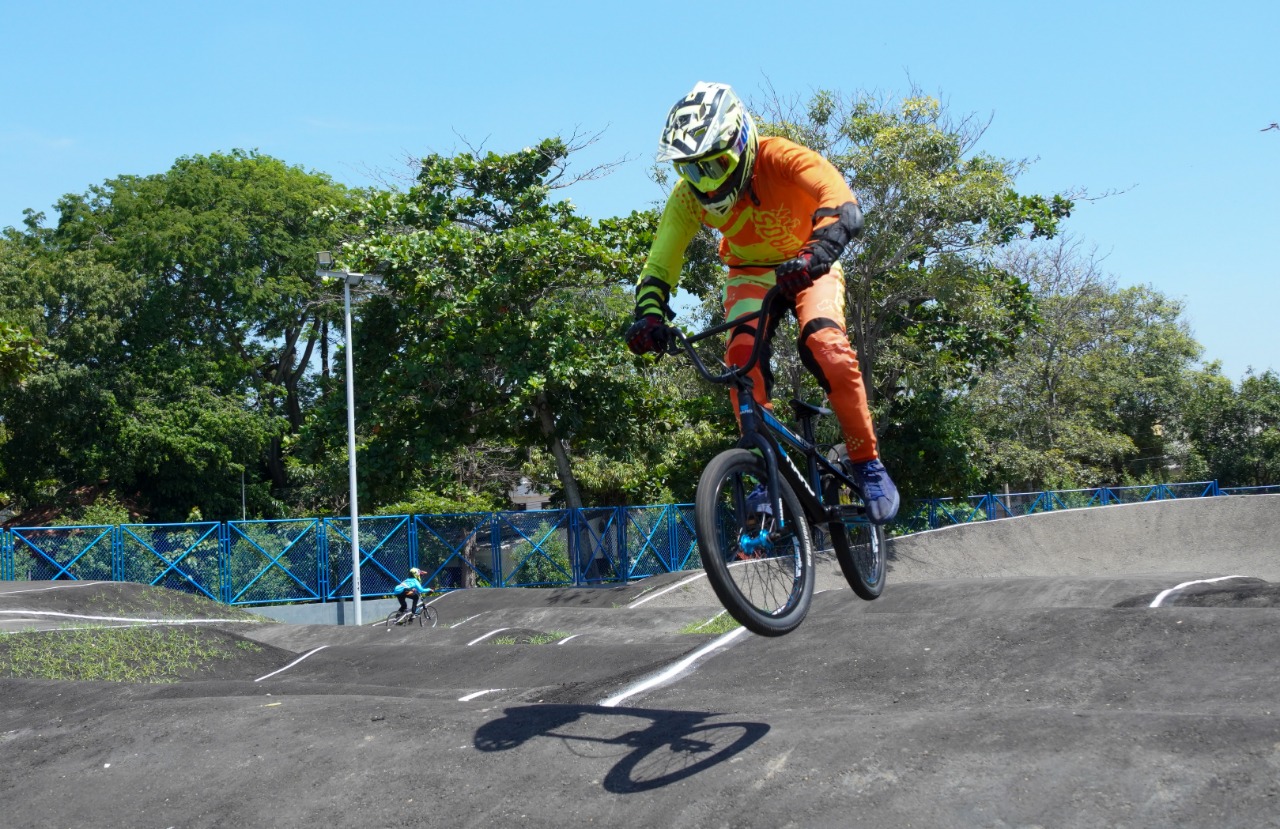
(117, 554)
(668, 515)
(624, 555)
(224, 560)
(575, 546)
(495, 550)
(322, 560)
(414, 558)
(6, 556)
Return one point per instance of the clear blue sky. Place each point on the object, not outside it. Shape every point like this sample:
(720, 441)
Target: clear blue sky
(1164, 102)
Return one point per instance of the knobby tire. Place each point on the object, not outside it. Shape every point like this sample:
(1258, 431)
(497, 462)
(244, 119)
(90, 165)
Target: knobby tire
(428, 617)
(767, 590)
(860, 546)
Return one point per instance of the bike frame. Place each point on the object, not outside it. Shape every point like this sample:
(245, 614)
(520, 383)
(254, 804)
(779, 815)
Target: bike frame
(761, 429)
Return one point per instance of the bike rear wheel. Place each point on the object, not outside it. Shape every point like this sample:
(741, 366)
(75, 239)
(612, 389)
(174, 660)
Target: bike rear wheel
(762, 575)
(392, 618)
(859, 545)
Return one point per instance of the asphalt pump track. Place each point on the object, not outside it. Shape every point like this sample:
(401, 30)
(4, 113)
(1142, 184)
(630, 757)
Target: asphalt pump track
(1107, 667)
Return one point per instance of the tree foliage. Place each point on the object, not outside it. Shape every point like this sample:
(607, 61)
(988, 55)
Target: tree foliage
(167, 338)
(184, 313)
(501, 327)
(930, 308)
(1092, 394)
(1235, 429)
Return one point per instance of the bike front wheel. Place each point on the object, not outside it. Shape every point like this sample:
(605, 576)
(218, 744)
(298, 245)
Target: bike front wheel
(428, 617)
(860, 546)
(760, 567)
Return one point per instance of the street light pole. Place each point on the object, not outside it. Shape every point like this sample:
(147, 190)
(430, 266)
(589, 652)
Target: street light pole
(325, 261)
(351, 453)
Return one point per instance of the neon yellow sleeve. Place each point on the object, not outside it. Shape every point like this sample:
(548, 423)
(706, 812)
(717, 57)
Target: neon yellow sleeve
(681, 219)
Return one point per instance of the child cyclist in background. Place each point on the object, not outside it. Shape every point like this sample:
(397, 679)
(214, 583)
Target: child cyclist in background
(411, 588)
(785, 214)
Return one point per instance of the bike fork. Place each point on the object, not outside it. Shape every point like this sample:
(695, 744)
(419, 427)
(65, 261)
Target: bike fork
(752, 439)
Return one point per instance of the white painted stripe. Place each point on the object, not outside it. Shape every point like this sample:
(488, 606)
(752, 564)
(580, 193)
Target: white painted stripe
(72, 629)
(124, 618)
(567, 638)
(486, 636)
(58, 587)
(464, 621)
(291, 664)
(1165, 594)
(674, 670)
(709, 621)
(470, 697)
(639, 602)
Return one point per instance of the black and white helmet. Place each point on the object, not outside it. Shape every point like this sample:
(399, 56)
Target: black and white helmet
(712, 141)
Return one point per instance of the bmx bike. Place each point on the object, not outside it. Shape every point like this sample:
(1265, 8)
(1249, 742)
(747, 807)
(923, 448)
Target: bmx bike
(755, 510)
(424, 615)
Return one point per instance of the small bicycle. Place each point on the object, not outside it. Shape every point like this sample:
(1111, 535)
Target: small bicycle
(755, 510)
(425, 616)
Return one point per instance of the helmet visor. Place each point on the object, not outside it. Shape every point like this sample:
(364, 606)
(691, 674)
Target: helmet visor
(709, 172)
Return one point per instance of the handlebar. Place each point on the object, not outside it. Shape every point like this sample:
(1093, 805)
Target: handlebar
(764, 316)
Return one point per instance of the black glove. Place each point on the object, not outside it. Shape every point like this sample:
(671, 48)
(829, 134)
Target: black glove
(648, 333)
(794, 275)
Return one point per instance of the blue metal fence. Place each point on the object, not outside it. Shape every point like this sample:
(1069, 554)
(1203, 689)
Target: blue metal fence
(309, 559)
(932, 513)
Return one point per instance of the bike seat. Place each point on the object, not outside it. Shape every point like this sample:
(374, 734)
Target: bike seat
(803, 409)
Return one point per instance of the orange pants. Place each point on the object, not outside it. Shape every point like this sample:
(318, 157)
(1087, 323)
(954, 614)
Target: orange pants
(824, 349)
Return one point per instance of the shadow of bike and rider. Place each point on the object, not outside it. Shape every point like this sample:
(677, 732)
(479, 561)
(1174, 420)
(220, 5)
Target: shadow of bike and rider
(675, 745)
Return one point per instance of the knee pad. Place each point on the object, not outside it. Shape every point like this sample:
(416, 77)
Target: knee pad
(821, 349)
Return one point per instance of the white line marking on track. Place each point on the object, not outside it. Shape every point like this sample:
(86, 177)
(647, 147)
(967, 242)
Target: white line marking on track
(1165, 594)
(58, 587)
(94, 627)
(709, 621)
(639, 602)
(470, 697)
(468, 619)
(673, 671)
(291, 664)
(567, 638)
(124, 618)
(486, 636)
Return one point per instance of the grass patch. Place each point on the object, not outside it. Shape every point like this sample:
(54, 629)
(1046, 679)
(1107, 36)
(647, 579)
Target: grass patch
(531, 639)
(720, 623)
(161, 603)
(114, 654)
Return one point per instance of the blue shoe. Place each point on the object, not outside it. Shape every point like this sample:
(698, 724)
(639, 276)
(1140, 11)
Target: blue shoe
(878, 492)
(758, 501)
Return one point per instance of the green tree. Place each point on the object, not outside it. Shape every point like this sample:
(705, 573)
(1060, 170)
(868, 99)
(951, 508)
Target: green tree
(928, 305)
(1092, 394)
(501, 329)
(186, 318)
(930, 308)
(228, 243)
(1236, 429)
(20, 354)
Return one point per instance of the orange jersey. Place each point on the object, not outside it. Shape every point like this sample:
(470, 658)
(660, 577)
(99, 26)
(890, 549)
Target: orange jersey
(768, 224)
